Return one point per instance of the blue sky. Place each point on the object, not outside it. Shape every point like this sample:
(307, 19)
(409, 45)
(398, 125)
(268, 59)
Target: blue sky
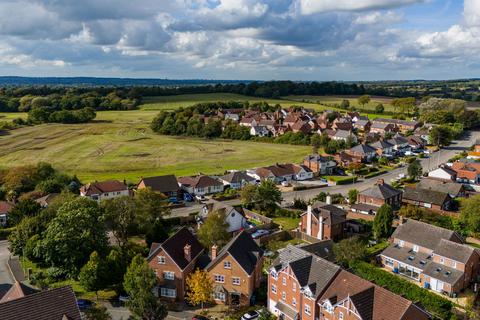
(242, 39)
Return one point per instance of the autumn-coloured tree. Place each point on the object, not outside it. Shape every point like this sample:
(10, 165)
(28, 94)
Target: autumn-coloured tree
(199, 288)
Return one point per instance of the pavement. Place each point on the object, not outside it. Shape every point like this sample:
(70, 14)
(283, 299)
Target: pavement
(428, 164)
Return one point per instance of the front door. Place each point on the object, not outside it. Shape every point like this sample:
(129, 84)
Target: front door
(235, 299)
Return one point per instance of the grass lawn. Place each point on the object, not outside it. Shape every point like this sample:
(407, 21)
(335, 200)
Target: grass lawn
(352, 99)
(119, 144)
(286, 222)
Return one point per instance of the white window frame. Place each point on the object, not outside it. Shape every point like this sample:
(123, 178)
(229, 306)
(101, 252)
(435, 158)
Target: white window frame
(274, 288)
(169, 293)
(219, 278)
(454, 264)
(219, 296)
(294, 302)
(227, 265)
(401, 243)
(168, 275)
(284, 281)
(307, 309)
(340, 315)
(442, 260)
(284, 296)
(294, 287)
(415, 248)
(161, 259)
(236, 281)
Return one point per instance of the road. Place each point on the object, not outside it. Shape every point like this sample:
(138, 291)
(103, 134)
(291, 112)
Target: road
(6, 277)
(428, 164)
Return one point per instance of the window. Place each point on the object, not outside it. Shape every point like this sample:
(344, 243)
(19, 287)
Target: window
(340, 316)
(168, 275)
(169, 293)
(219, 278)
(274, 288)
(415, 248)
(227, 265)
(454, 264)
(389, 262)
(284, 281)
(294, 302)
(329, 308)
(161, 259)
(442, 260)
(284, 296)
(294, 287)
(274, 275)
(236, 281)
(219, 296)
(307, 309)
(401, 243)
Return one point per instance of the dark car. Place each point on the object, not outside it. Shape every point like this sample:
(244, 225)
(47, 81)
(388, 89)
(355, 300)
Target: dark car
(84, 304)
(198, 317)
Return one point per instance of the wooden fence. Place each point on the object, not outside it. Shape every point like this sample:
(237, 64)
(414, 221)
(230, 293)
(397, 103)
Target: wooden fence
(253, 215)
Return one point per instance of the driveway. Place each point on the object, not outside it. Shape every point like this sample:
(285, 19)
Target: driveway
(6, 277)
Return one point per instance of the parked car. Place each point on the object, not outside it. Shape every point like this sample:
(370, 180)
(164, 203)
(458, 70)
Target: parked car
(285, 183)
(251, 315)
(84, 304)
(260, 233)
(251, 225)
(199, 317)
(200, 198)
(187, 197)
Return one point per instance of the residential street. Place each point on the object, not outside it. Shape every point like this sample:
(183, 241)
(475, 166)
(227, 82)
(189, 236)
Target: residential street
(6, 276)
(428, 164)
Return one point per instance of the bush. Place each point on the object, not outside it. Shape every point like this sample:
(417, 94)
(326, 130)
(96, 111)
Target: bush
(346, 180)
(433, 303)
(5, 232)
(374, 174)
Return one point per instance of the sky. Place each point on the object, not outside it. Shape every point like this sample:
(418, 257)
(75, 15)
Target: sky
(242, 39)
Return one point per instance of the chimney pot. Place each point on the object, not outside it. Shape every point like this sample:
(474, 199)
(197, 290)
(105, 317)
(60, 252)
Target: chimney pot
(380, 182)
(214, 252)
(187, 250)
(329, 199)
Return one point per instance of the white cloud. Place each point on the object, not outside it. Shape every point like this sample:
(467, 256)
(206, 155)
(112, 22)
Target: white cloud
(316, 6)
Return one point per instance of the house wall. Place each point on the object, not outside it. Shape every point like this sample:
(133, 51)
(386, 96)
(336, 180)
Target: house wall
(430, 206)
(169, 194)
(335, 232)
(340, 309)
(208, 190)
(291, 288)
(235, 220)
(248, 283)
(393, 201)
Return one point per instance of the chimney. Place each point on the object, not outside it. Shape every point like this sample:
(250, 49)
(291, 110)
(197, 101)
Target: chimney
(309, 220)
(380, 182)
(329, 199)
(320, 227)
(214, 252)
(187, 250)
(402, 220)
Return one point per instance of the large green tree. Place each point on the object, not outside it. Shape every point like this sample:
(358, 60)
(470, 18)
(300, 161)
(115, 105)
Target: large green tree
(470, 213)
(363, 100)
(352, 196)
(93, 274)
(76, 231)
(415, 169)
(120, 215)
(268, 196)
(214, 230)
(382, 224)
(151, 208)
(349, 250)
(440, 136)
(139, 283)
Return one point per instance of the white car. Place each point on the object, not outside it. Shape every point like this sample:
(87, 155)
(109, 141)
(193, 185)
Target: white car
(251, 315)
(285, 183)
(200, 198)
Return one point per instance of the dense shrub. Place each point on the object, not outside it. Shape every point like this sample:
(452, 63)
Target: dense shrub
(433, 303)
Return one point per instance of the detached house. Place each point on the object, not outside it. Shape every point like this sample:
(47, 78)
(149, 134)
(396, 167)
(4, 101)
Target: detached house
(362, 125)
(236, 270)
(383, 128)
(344, 135)
(427, 198)
(399, 143)
(382, 147)
(233, 216)
(434, 256)
(200, 185)
(282, 172)
(319, 165)
(168, 185)
(467, 172)
(104, 190)
(381, 193)
(172, 261)
(237, 179)
(324, 221)
(363, 151)
(455, 190)
(443, 173)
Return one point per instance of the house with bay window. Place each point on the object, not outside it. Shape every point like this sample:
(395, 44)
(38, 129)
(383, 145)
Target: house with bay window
(434, 256)
(172, 261)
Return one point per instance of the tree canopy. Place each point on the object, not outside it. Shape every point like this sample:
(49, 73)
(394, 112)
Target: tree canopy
(382, 224)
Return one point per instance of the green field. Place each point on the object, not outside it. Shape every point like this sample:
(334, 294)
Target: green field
(120, 145)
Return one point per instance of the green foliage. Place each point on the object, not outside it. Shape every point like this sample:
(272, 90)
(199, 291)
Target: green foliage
(382, 224)
(440, 136)
(48, 115)
(363, 100)
(433, 303)
(214, 230)
(352, 196)
(93, 274)
(76, 231)
(469, 209)
(349, 250)
(415, 169)
(379, 108)
(151, 208)
(24, 208)
(139, 283)
(268, 196)
(120, 214)
(98, 312)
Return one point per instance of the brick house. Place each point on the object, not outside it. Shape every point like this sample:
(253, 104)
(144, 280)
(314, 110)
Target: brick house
(319, 165)
(104, 190)
(382, 147)
(403, 125)
(434, 256)
(236, 270)
(302, 285)
(362, 151)
(323, 221)
(427, 198)
(453, 189)
(382, 128)
(168, 185)
(380, 194)
(467, 172)
(172, 261)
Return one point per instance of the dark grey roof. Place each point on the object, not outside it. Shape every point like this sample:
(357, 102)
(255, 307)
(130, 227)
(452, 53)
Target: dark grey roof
(453, 250)
(424, 234)
(363, 149)
(162, 184)
(237, 177)
(381, 191)
(362, 123)
(443, 273)
(426, 195)
(314, 272)
(381, 144)
(288, 254)
(54, 304)
(406, 255)
(174, 247)
(397, 140)
(343, 133)
(322, 249)
(316, 158)
(243, 249)
(445, 187)
(331, 214)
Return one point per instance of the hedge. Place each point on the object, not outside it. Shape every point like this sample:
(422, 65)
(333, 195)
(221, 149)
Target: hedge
(433, 303)
(5, 232)
(347, 180)
(374, 174)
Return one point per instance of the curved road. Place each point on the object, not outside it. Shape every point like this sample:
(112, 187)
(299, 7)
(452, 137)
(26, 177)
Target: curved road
(6, 277)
